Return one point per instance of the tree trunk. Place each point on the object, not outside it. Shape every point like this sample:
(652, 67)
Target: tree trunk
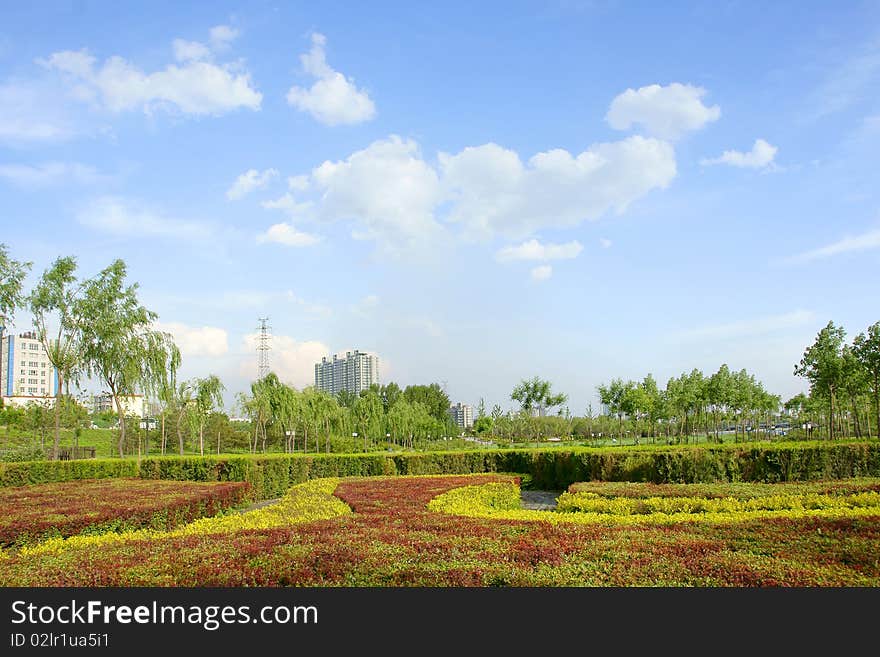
(201, 439)
(121, 421)
(57, 444)
(179, 432)
(164, 437)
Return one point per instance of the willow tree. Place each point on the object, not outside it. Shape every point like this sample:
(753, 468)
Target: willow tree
(52, 305)
(12, 273)
(208, 396)
(118, 343)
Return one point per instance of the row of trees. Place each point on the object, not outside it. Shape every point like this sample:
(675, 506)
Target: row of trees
(844, 381)
(306, 420)
(92, 328)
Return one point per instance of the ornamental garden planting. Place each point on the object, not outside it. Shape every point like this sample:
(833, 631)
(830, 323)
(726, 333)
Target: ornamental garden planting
(441, 530)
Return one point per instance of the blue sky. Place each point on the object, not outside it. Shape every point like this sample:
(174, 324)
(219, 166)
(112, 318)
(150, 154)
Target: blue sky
(476, 192)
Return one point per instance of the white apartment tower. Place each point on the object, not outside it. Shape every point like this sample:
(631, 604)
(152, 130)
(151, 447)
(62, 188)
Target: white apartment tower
(462, 415)
(25, 371)
(354, 372)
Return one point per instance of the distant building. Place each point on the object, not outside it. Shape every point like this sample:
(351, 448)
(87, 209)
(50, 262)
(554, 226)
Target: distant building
(132, 405)
(26, 374)
(354, 372)
(462, 415)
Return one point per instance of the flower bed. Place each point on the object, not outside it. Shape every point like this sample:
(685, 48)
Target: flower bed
(392, 537)
(30, 514)
(737, 490)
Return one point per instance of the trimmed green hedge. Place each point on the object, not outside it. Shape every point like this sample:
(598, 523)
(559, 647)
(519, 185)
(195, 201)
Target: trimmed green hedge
(554, 468)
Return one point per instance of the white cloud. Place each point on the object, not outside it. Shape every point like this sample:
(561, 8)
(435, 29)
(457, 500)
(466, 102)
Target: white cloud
(759, 157)
(289, 205)
(666, 112)
(748, 327)
(333, 99)
(605, 243)
(407, 205)
(298, 183)
(541, 273)
(534, 250)
(495, 193)
(190, 51)
(863, 242)
(192, 87)
(196, 340)
(126, 218)
(287, 235)
(388, 189)
(293, 361)
(847, 83)
(222, 36)
(30, 112)
(51, 173)
(249, 181)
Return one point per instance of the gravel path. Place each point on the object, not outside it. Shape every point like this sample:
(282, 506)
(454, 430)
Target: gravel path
(539, 500)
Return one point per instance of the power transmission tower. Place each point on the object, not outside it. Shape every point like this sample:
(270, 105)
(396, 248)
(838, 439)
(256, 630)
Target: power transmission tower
(263, 348)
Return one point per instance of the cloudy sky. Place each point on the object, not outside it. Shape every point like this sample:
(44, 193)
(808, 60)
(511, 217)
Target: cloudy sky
(476, 192)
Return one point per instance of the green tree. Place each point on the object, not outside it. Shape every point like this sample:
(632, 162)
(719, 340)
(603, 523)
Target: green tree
(536, 394)
(12, 274)
(119, 345)
(866, 348)
(52, 304)
(208, 397)
(483, 425)
(822, 365)
(433, 398)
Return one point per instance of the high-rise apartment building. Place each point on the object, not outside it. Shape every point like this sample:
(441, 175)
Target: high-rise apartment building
(354, 372)
(462, 415)
(26, 374)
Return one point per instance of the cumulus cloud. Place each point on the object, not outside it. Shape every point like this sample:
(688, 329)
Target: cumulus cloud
(665, 112)
(222, 35)
(249, 181)
(407, 204)
(287, 235)
(121, 217)
(760, 157)
(51, 173)
(192, 86)
(541, 273)
(196, 340)
(387, 189)
(333, 99)
(190, 51)
(292, 360)
(851, 243)
(494, 192)
(534, 250)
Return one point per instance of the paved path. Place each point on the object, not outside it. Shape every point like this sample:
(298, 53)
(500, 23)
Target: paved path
(259, 505)
(539, 500)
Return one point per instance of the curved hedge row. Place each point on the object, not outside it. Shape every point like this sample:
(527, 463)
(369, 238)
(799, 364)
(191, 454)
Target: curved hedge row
(554, 468)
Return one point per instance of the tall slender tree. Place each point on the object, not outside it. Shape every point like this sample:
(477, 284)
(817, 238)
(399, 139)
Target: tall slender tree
(822, 365)
(866, 348)
(119, 345)
(52, 304)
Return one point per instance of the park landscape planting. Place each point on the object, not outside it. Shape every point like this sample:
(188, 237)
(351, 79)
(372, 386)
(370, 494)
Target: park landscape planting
(781, 515)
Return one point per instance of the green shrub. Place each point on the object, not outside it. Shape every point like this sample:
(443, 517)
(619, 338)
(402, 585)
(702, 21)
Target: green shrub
(554, 469)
